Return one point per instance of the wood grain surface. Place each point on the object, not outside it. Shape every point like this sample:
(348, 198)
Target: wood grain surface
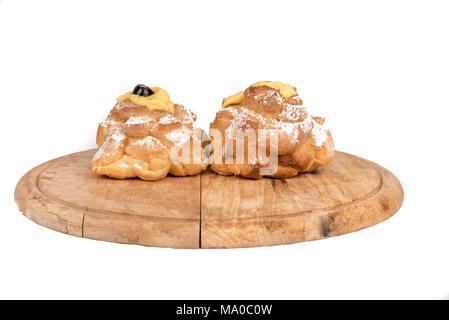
(208, 210)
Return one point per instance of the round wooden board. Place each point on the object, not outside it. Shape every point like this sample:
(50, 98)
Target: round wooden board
(208, 210)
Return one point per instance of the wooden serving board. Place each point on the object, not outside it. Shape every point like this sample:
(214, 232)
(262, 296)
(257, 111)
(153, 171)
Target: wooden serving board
(208, 210)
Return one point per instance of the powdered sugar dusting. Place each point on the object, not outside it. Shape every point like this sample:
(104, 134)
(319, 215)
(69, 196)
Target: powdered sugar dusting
(292, 121)
(168, 119)
(137, 120)
(117, 136)
(98, 154)
(306, 123)
(147, 143)
(291, 129)
(266, 98)
(313, 111)
(189, 117)
(108, 123)
(319, 133)
(291, 112)
(179, 136)
(113, 143)
(239, 123)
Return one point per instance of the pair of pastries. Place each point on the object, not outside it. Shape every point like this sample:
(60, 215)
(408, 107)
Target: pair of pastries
(261, 131)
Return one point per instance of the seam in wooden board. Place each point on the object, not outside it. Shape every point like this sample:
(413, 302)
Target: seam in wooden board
(82, 225)
(201, 207)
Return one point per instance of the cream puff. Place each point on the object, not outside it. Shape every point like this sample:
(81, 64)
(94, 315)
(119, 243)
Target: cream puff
(266, 130)
(147, 136)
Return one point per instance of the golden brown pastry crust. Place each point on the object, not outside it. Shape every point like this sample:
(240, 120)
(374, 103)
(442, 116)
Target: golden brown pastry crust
(137, 142)
(304, 144)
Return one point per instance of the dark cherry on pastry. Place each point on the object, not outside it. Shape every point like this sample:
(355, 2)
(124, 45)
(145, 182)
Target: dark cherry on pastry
(142, 90)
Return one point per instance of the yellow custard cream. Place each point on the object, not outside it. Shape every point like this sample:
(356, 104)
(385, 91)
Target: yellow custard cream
(159, 100)
(232, 100)
(286, 90)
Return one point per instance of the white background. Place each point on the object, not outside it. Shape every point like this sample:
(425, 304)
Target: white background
(379, 70)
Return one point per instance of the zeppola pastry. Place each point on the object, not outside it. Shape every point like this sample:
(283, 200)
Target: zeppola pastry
(148, 136)
(266, 131)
